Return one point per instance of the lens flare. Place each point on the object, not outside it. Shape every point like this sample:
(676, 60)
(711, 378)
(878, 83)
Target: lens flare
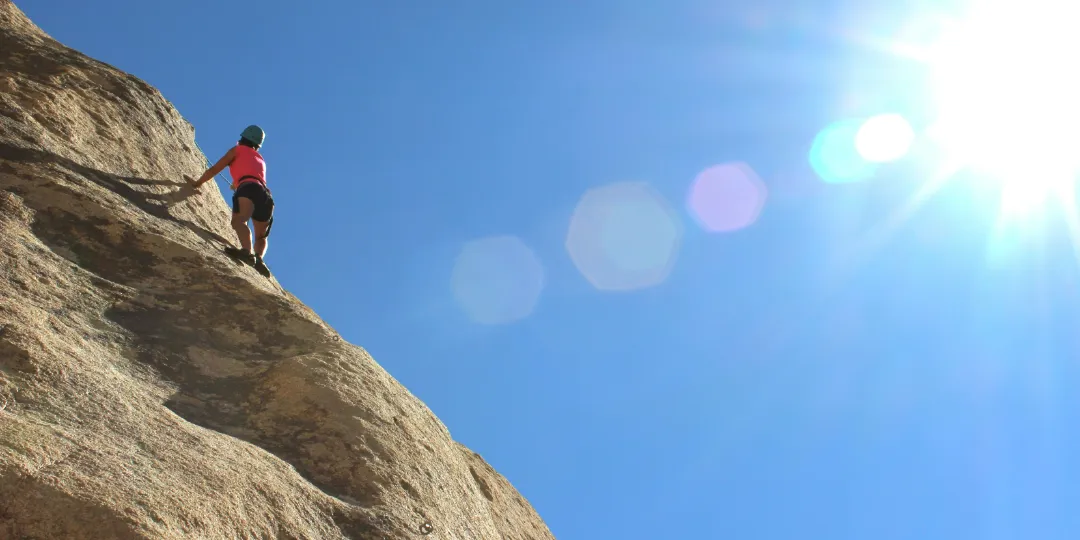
(834, 156)
(497, 280)
(624, 236)
(884, 138)
(727, 197)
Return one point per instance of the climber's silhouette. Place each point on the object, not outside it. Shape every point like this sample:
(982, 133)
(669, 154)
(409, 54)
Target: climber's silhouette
(251, 198)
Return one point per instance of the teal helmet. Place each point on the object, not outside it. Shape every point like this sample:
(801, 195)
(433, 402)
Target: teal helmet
(254, 134)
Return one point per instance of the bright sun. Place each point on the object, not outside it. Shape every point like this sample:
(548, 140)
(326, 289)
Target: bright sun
(1008, 98)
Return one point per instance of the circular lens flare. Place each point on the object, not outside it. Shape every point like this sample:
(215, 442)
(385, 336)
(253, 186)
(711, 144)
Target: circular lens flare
(884, 138)
(834, 156)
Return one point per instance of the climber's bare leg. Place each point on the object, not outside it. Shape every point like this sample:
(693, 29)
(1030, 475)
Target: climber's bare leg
(260, 237)
(240, 222)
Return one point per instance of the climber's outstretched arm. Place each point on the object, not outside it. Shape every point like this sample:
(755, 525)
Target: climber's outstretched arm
(216, 168)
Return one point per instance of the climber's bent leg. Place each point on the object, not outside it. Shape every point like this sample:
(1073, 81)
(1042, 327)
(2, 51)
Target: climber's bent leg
(262, 218)
(242, 209)
(262, 230)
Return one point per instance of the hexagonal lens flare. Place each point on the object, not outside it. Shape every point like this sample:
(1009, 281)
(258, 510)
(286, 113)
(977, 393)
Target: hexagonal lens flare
(497, 280)
(727, 197)
(624, 236)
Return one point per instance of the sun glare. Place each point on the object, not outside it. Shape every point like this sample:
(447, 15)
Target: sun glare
(1007, 98)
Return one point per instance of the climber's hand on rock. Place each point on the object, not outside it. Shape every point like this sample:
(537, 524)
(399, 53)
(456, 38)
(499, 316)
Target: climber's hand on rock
(193, 184)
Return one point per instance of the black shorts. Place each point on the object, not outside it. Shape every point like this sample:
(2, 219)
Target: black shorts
(264, 203)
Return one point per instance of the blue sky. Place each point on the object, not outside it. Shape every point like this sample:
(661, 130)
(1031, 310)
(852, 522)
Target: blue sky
(812, 375)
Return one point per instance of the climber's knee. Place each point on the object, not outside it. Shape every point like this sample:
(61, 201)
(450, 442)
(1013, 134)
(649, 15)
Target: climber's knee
(242, 210)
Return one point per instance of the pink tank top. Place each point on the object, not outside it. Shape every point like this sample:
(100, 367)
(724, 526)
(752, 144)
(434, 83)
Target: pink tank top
(248, 162)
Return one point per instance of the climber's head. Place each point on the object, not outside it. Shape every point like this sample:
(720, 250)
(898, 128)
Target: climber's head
(252, 136)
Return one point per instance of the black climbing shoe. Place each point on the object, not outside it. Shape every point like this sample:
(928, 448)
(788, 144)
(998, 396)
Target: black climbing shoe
(261, 268)
(241, 255)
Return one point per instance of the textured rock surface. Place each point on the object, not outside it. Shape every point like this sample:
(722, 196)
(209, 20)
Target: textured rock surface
(150, 387)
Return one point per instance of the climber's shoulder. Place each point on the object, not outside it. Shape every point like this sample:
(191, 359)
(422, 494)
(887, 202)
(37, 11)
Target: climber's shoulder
(227, 158)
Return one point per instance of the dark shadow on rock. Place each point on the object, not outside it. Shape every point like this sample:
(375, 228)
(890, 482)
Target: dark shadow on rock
(32, 508)
(220, 381)
(154, 204)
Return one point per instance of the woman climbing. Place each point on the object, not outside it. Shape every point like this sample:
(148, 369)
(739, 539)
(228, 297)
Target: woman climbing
(251, 198)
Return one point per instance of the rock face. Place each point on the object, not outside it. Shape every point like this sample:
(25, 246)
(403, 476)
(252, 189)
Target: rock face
(151, 387)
